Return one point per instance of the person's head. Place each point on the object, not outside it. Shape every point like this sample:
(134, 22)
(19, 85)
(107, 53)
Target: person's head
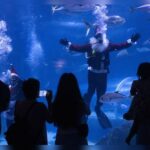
(99, 37)
(4, 96)
(99, 42)
(143, 71)
(31, 88)
(68, 87)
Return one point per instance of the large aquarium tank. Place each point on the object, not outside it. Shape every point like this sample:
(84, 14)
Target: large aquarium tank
(30, 33)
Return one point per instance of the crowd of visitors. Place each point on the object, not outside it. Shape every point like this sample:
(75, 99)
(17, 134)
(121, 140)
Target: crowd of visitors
(68, 111)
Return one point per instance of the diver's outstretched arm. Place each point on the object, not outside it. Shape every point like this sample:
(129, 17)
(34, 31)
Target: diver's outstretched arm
(74, 47)
(134, 38)
(80, 48)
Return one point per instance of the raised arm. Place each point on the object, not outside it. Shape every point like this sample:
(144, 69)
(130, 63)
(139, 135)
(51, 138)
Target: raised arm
(48, 112)
(74, 47)
(126, 44)
(120, 46)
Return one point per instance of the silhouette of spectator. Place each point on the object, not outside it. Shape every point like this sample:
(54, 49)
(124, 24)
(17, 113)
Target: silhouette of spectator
(16, 92)
(68, 111)
(4, 98)
(38, 115)
(139, 110)
(130, 115)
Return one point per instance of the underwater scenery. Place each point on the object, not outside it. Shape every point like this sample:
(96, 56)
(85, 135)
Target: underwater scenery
(42, 38)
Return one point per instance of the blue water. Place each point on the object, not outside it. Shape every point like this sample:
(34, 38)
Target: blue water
(35, 32)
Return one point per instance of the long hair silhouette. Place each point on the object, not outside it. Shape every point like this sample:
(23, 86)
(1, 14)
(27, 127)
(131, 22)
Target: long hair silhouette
(68, 102)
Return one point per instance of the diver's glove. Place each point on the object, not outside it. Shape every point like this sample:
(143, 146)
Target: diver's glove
(49, 96)
(65, 42)
(134, 38)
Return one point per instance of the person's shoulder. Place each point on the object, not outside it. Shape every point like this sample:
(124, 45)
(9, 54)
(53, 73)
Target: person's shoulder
(19, 103)
(20, 106)
(136, 82)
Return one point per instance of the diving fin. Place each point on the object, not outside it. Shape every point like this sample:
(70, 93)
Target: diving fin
(103, 119)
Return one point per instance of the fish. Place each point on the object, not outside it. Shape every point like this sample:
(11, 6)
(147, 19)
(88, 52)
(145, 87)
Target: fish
(124, 85)
(109, 20)
(122, 53)
(75, 54)
(59, 64)
(56, 8)
(124, 106)
(114, 20)
(143, 49)
(71, 24)
(88, 27)
(78, 5)
(145, 7)
(112, 97)
(131, 29)
(147, 42)
(72, 8)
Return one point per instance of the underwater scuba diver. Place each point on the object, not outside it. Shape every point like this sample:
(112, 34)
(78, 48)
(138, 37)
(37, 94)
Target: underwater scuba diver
(97, 54)
(16, 94)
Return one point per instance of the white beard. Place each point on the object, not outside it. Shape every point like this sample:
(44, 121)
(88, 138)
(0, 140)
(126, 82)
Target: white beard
(99, 47)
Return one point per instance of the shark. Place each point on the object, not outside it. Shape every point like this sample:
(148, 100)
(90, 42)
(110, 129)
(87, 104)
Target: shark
(76, 5)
